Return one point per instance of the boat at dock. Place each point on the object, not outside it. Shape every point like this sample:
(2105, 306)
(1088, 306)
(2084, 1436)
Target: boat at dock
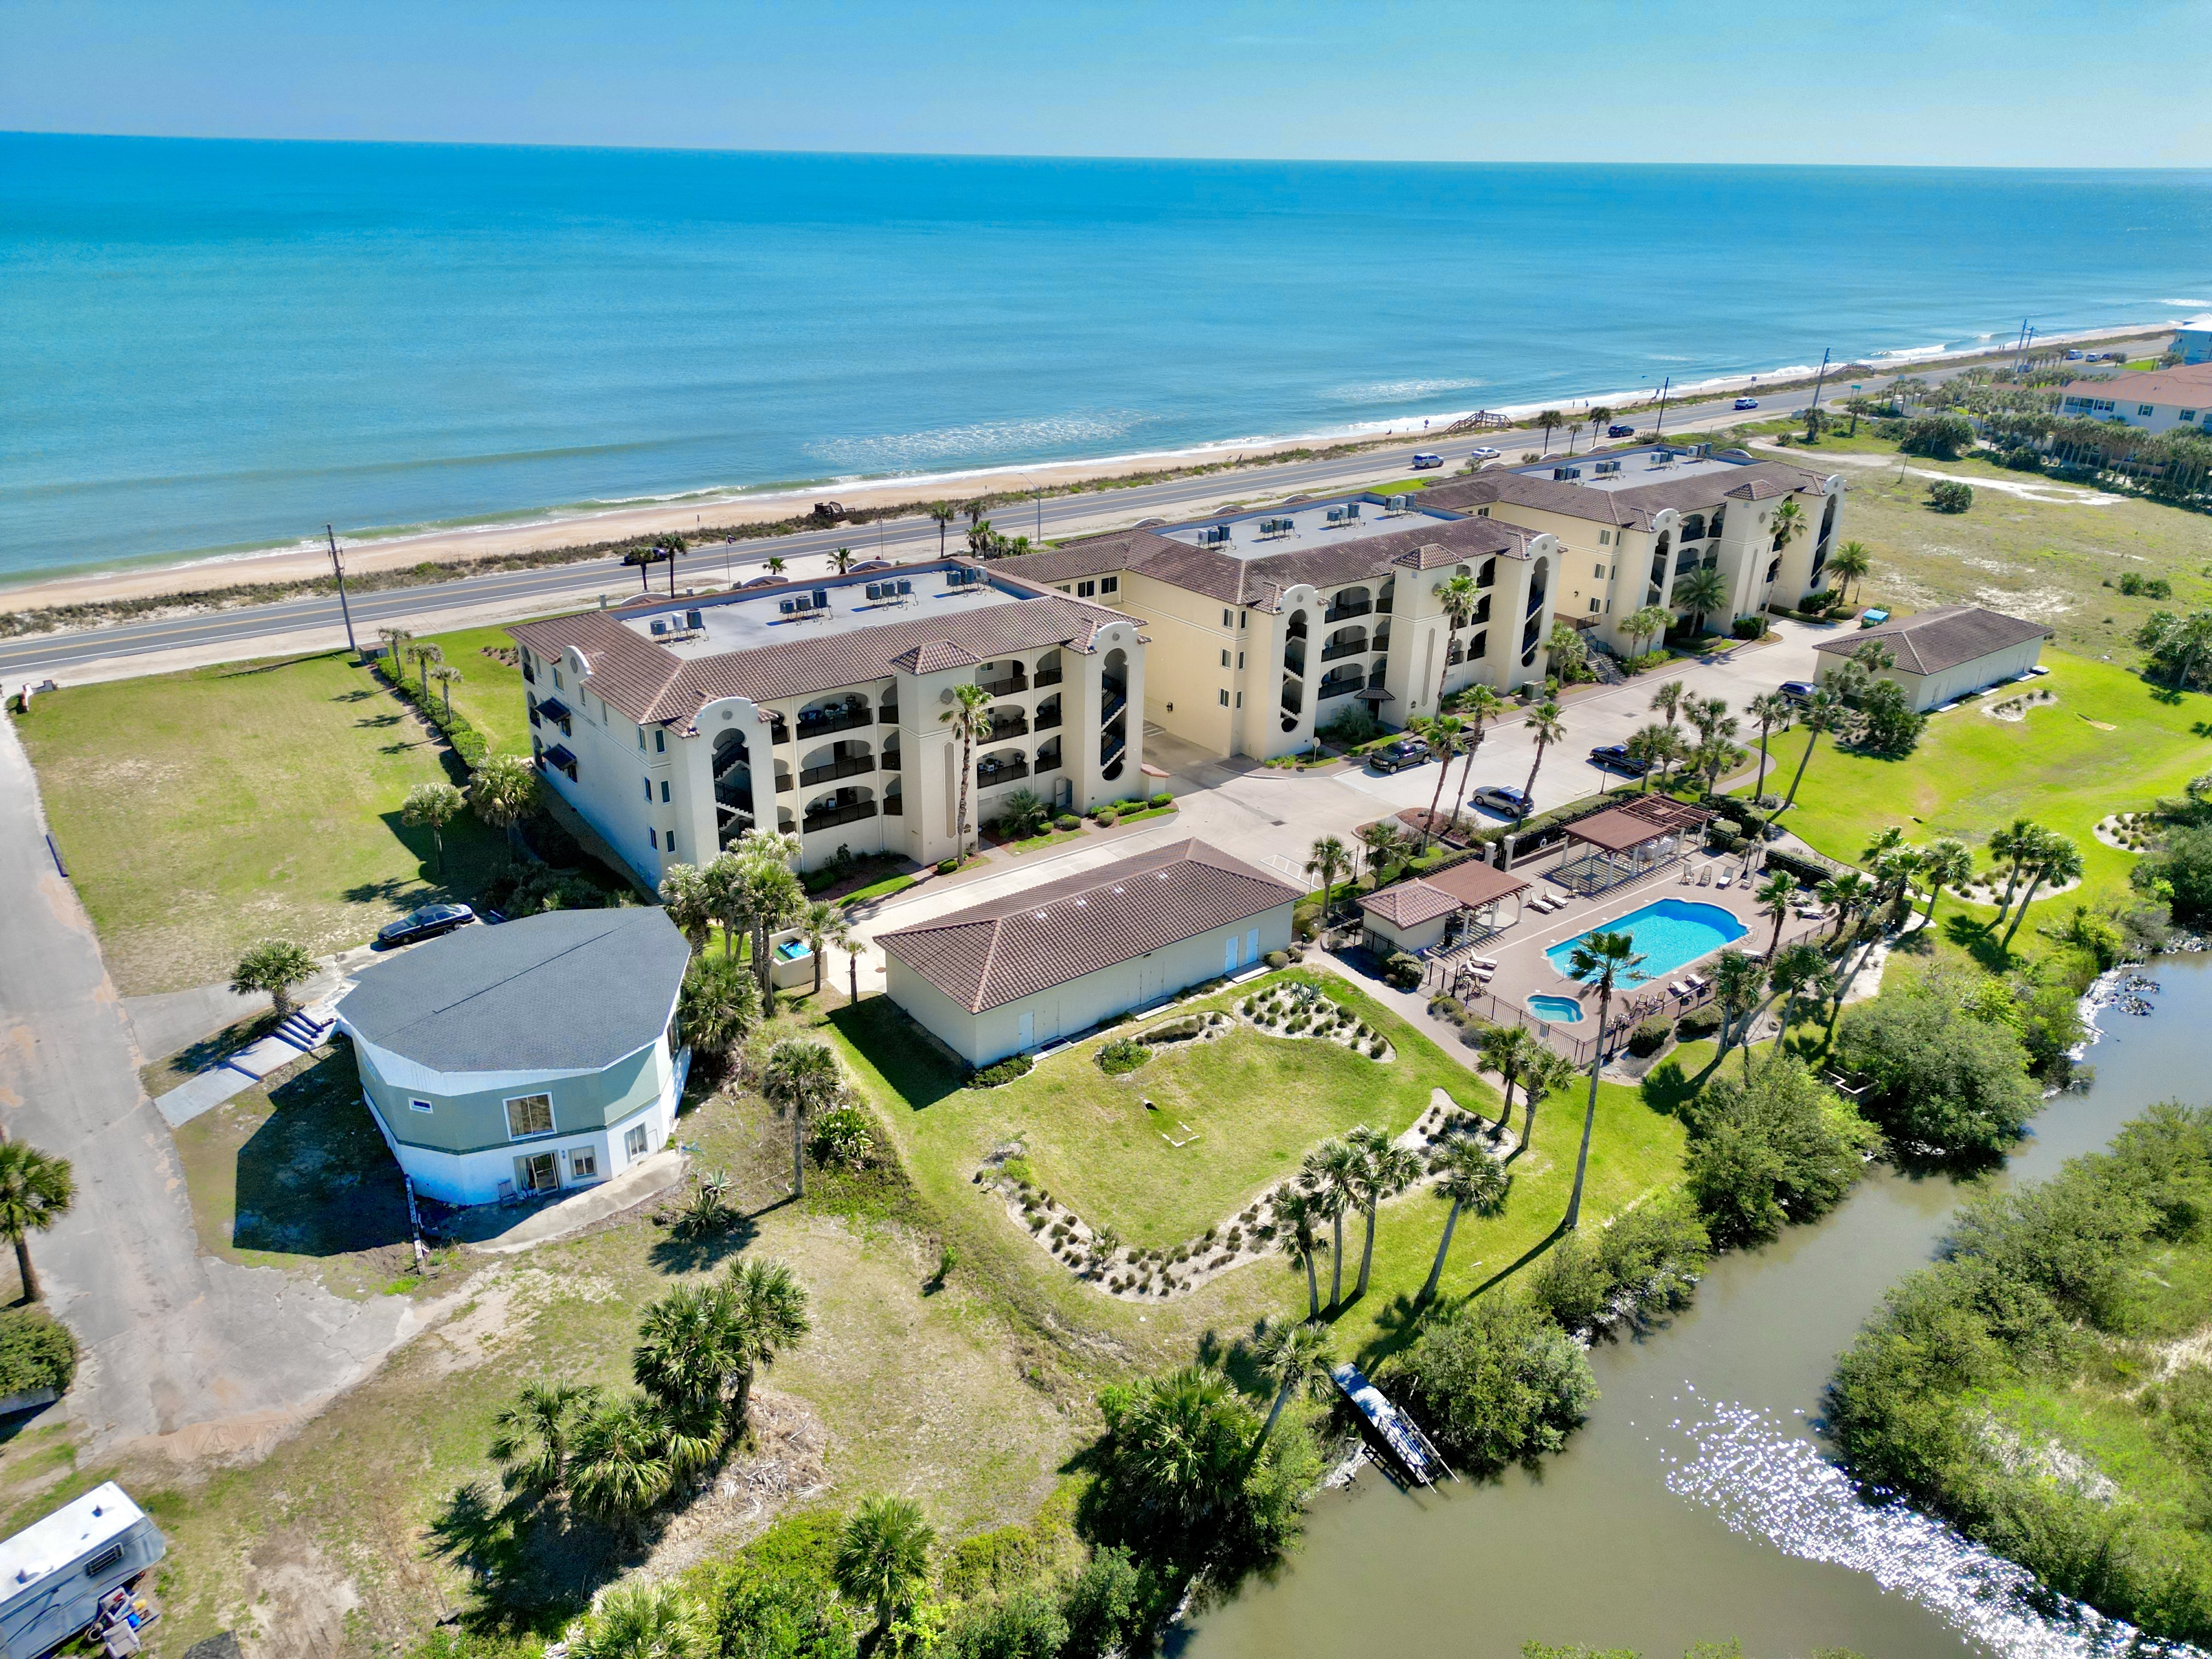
(1413, 1450)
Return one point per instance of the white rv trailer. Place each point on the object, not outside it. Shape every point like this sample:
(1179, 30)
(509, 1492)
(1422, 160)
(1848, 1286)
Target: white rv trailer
(57, 1572)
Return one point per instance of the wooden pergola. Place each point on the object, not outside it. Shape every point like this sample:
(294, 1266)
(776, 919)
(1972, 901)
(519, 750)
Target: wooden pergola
(1627, 842)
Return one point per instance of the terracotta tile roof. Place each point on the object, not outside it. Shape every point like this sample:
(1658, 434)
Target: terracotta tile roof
(1258, 583)
(1009, 947)
(2189, 385)
(1936, 639)
(650, 684)
(1630, 508)
(1466, 886)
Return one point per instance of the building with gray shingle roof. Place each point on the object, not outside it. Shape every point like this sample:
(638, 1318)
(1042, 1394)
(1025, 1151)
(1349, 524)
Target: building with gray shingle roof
(1043, 964)
(1945, 654)
(533, 1056)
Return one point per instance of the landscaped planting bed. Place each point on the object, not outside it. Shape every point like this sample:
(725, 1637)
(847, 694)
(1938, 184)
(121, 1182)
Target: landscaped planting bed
(1293, 1008)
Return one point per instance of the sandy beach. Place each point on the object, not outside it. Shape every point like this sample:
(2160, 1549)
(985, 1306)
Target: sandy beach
(691, 511)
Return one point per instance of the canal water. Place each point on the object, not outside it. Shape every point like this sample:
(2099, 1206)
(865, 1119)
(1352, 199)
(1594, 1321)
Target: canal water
(1698, 1503)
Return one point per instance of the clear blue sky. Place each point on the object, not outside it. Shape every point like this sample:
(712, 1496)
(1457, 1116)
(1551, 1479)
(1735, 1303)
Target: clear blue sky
(1947, 81)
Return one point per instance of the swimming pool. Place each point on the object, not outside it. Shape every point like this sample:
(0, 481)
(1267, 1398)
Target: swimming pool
(1669, 934)
(1557, 1010)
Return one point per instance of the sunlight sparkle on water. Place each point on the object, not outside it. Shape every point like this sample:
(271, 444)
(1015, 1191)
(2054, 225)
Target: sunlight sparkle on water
(1766, 1482)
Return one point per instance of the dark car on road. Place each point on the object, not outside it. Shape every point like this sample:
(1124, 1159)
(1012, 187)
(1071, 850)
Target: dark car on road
(1397, 756)
(1797, 690)
(1615, 757)
(427, 922)
(1506, 802)
(1618, 430)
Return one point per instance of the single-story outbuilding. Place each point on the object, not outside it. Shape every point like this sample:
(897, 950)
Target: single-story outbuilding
(1946, 653)
(526, 1057)
(1445, 904)
(1016, 972)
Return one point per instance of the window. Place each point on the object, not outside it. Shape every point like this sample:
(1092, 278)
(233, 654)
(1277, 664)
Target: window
(1224, 619)
(1593, 607)
(1225, 660)
(559, 685)
(652, 838)
(1085, 590)
(1065, 588)
(422, 1106)
(1601, 572)
(668, 838)
(634, 1142)
(661, 743)
(583, 1163)
(529, 1115)
(1244, 617)
(664, 792)
(2188, 413)
(641, 737)
(1110, 584)
(1481, 512)
(647, 782)
(1604, 539)
(1240, 660)
(1240, 699)
(1224, 696)
(2142, 409)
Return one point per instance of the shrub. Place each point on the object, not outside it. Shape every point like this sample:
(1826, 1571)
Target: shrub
(1748, 627)
(1166, 797)
(1939, 437)
(1778, 1150)
(1496, 1381)
(1949, 495)
(1940, 1078)
(1103, 818)
(1005, 1071)
(1450, 1008)
(2150, 587)
(1698, 1023)
(946, 866)
(1066, 821)
(844, 1139)
(2024, 459)
(1123, 1054)
(36, 1351)
(1277, 959)
(1402, 971)
(1648, 1038)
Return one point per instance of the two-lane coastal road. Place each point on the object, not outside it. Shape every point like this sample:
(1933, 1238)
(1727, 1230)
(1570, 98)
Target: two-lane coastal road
(309, 623)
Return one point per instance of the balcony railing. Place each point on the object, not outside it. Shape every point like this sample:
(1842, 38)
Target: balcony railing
(1006, 729)
(837, 815)
(1341, 689)
(784, 785)
(1005, 688)
(894, 806)
(850, 766)
(1005, 772)
(891, 762)
(820, 722)
(1339, 613)
(1047, 722)
(1332, 652)
(1045, 676)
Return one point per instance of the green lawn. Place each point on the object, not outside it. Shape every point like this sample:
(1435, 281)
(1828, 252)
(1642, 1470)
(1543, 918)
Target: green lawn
(1259, 1103)
(1972, 774)
(489, 692)
(203, 811)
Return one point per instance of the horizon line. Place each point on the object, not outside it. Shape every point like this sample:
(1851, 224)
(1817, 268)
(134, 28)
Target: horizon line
(1075, 156)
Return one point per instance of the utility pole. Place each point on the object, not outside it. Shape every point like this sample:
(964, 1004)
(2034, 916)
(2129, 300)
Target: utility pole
(337, 569)
(1660, 425)
(1818, 380)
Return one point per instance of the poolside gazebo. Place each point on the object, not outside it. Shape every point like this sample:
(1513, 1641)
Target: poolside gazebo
(1463, 903)
(1627, 842)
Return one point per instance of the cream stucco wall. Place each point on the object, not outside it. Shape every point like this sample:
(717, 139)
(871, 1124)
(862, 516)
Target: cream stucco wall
(1927, 691)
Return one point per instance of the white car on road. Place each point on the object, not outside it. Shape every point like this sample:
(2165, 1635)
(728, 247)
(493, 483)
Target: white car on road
(1486, 454)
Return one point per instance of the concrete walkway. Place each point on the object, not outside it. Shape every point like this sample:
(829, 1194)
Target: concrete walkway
(520, 1230)
(172, 1340)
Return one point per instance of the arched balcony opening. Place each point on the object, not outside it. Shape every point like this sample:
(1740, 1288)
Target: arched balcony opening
(1693, 528)
(1773, 569)
(785, 783)
(1656, 594)
(1386, 597)
(784, 823)
(845, 712)
(1003, 680)
(1821, 547)
(1114, 724)
(845, 805)
(733, 786)
(1049, 670)
(847, 757)
(1532, 634)
(890, 754)
(1008, 719)
(1339, 683)
(894, 798)
(1720, 519)
(1351, 602)
(1048, 757)
(887, 710)
(1345, 642)
(1296, 628)
(1047, 712)
(1001, 765)
(1539, 584)
(1294, 697)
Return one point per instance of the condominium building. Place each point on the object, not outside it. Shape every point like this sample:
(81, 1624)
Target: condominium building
(675, 725)
(1632, 524)
(1266, 625)
(2156, 400)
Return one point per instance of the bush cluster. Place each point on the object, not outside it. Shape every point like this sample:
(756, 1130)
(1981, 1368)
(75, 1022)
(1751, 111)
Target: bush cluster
(1645, 1263)
(1777, 1149)
(1123, 1054)
(1004, 1071)
(36, 1351)
(471, 745)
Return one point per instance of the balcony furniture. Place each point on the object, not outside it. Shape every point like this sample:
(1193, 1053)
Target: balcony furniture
(850, 766)
(1005, 772)
(820, 722)
(837, 815)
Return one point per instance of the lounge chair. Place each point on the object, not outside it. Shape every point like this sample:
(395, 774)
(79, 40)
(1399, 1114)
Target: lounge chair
(1724, 879)
(1675, 988)
(1705, 875)
(1686, 875)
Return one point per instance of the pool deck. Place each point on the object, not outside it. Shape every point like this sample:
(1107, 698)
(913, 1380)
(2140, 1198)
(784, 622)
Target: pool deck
(1523, 971)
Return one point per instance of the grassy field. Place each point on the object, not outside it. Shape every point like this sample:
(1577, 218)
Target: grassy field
(203, 811)
(1089, 1146)
(489, 692)
(2050, 560)
(2110, 744)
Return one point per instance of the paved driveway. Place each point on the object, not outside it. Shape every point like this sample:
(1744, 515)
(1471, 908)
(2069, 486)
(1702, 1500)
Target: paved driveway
(173, 1339)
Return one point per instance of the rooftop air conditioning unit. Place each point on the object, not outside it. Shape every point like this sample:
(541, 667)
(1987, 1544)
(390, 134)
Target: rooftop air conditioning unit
(1352, 509)
(659, 626)
(822, 599)
(694, 619)
(905, 585)
(787, 606)
(875, 590)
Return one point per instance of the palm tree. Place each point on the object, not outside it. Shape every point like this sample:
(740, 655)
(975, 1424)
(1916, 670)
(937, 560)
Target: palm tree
(1851, 895)
(1775, 895)
(768, 1313)
(1329, 855)
(1548, 419)
(841, 560)
(1296, 1213)
(1460, 597)
(1603, 960)
(532, 1443)
(688, 903)
(801, 1076)
(1703, 590)
(436, 805)
(766, 897)
(618, 1466)
(642, 1621)
(943, 513)
(775, 564)
(2015, 843)
(1385, 842)
(396, 641)
(1385, 1170)
(1798, 972)
(969, 717)
(502, 791)
(1851, 562)
(1788, 524)
(1472, 1179)
(1544, 720)
(445, 673)
(1331, 1171)
(840, 937)
(1667, 698)
(1949, 863)
(815, 923)
(1297, 1357)
(1442, 735)
(36, 1190)
(1737, 982)
(1507, 1050)
(424, 653)
(274, 965)
(1716, 751)
(882, 1559)
(1821, 712)
(2058, 862)
(1770, 710)
(1646, 623)
(1600, 417)
(1478, 705)
(717, 1006)
(1548, 1071)
(685, 1353)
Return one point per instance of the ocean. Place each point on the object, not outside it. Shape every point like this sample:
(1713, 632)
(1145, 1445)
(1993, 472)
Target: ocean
(207, 347)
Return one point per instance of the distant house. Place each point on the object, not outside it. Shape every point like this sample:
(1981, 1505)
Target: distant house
(2193, 339)
(1015, 973)
(530, 1056)
(1947, 653)
(2157, 400)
